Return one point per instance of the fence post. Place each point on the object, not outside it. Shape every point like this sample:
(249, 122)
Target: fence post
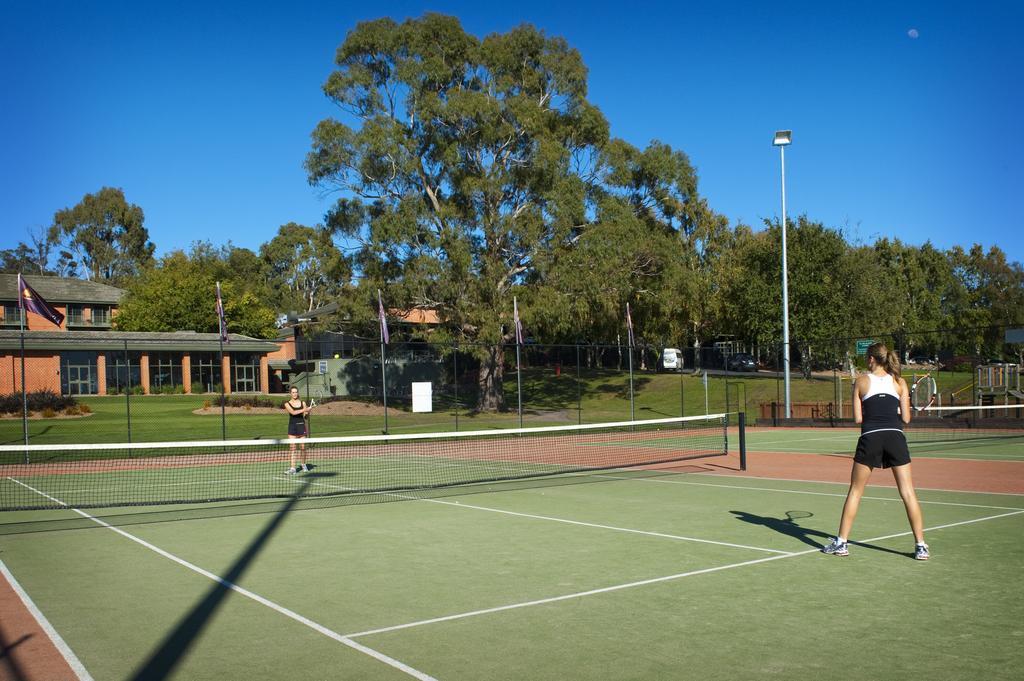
(455, 378)
(128, 390)
(682, 397)
(743, 441)
(579, 388)
(727, 405)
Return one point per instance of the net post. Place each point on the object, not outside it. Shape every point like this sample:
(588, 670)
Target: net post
(742, 421)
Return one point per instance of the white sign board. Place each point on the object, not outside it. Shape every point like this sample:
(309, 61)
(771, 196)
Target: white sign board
(422, 397)
(322, 366)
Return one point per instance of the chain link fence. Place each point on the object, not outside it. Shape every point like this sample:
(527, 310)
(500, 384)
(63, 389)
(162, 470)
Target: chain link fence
(80, 389)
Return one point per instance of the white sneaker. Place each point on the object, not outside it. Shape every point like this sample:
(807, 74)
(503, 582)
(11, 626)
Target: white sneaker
(836, 548)
(291, 471)
(921, 552)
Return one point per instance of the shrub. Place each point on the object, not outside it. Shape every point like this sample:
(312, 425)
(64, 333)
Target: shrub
(48, 413)
(246, 401)
(10, 404)
(37, 401)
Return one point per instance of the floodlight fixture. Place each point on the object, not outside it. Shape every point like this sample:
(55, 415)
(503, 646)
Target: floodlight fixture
(782, 138)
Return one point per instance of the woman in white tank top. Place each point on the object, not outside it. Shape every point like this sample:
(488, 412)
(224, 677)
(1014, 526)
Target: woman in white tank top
(881, 405)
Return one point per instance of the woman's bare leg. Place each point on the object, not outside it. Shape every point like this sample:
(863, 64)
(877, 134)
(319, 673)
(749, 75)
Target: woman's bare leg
(858, 481)
(905, 484)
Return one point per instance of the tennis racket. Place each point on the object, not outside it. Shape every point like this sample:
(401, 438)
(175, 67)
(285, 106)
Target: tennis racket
(922, 395)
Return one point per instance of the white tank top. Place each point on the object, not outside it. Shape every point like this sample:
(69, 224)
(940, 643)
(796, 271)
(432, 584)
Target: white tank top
(881, 385)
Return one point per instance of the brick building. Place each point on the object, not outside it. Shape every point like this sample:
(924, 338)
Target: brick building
(85, 356)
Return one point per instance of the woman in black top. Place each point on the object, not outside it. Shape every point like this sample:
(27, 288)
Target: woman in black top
(881, 405)
(297, 411)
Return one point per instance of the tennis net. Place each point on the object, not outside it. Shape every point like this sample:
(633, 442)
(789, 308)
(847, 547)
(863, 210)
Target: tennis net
(934, 426)
(103, 475)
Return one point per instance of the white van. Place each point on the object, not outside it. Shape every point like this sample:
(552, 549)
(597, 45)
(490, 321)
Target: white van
(672, 359)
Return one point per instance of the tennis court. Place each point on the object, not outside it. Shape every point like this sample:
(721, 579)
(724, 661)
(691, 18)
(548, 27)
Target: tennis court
(680, 569)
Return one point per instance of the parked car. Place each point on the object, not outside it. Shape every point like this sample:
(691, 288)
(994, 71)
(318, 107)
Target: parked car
(921, 360)
(741, 361)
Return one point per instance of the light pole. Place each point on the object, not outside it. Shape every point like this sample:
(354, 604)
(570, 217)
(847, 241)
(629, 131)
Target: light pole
(782, 139)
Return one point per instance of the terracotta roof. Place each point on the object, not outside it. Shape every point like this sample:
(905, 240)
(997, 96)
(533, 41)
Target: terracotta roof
(61, 290)
(417, 316)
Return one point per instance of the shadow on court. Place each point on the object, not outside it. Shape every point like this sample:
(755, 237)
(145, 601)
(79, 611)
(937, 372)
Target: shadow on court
(319, 501)
(814, 538)
(175, 646)
(7, 661)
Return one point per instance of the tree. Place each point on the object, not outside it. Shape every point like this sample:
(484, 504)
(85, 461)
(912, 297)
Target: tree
(102, 237)
(990, 297)
(825, 288)
(19, 259)
(304, 266)
(179, 293)
(477, 171)
(919, 284)
(28, 258)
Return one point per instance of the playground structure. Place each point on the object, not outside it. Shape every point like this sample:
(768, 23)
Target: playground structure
(997, 384)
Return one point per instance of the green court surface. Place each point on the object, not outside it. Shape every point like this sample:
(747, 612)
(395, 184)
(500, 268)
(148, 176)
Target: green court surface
(614, 575)
(980, 445)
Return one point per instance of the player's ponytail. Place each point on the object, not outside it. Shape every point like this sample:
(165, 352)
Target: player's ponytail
(885, 358)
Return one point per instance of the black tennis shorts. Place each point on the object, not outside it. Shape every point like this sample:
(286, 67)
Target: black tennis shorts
(297, 428)
(882, 449)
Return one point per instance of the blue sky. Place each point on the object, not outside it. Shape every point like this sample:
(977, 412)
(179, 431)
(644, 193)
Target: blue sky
(201, 112)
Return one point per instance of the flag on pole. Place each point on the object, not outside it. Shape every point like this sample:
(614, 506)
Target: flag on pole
(28, 299)
(384, 336)
(222, 321)
(629, 326)
(518, 324)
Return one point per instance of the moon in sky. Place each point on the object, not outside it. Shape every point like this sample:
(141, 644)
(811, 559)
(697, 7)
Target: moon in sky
(913, 33)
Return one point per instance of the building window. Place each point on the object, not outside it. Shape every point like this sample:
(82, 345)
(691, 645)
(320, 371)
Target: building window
(76, 315)
(206, 372)
(101, 315)
(78, 373)
(165, 372)
(12, 314)
(124, 372)
(245, 372)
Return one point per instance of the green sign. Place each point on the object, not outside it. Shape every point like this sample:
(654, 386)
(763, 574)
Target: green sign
(863, 345)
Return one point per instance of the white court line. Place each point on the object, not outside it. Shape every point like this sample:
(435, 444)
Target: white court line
(845, 484)
(836, 437)
(798, 491)
(566, 521)
(345, 640)
(645, 582)
(800, 479)
(69, 656)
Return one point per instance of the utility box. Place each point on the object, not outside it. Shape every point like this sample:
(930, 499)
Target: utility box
(422, 397)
